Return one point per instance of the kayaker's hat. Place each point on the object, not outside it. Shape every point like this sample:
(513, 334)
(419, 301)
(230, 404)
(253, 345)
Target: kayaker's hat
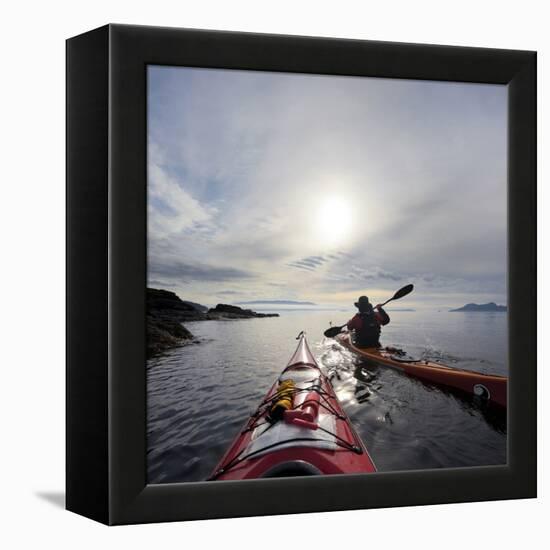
(362, 302)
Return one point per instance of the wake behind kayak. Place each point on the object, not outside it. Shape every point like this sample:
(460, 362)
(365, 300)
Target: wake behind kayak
(299, 429)
(490, 388)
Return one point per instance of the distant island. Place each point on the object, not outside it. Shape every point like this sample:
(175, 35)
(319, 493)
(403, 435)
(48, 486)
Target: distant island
(491, 306)
(166, 311)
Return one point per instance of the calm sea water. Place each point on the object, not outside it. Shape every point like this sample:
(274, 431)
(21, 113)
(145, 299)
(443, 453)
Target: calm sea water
(200, 395)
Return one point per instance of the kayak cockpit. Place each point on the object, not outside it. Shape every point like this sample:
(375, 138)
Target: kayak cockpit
(293, 468)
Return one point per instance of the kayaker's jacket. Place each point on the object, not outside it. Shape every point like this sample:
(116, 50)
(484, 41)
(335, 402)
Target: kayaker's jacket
(367, 327)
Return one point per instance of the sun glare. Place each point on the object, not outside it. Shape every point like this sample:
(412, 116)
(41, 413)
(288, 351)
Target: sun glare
(333, 221)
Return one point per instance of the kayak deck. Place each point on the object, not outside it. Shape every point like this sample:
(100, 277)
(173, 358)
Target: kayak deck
(492, 388)
(285, 447)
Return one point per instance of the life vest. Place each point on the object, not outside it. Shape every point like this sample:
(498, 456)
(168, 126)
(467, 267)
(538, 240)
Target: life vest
(368, 336)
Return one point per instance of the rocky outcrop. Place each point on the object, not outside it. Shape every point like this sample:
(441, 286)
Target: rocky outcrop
(198, 307)
(165, 313)
(168, 305)
(163, 334)
(226, 311)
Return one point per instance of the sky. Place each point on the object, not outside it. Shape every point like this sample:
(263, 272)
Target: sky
(287, 187)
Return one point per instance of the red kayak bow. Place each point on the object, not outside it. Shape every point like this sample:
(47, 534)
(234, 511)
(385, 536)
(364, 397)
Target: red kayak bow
(299, 429)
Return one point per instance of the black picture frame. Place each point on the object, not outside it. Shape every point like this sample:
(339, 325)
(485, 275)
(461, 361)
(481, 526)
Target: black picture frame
(106, 273)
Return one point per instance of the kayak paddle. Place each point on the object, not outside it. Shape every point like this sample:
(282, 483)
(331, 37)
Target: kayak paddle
(407, 289)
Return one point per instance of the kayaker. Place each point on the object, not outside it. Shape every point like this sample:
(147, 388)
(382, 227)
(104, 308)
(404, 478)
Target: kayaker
(366, 324)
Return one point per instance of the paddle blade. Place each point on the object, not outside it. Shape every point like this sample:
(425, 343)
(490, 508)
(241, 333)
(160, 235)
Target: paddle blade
(332, 332)
(403, 292)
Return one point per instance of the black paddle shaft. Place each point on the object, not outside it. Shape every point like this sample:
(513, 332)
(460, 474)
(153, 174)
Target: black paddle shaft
(333, 331)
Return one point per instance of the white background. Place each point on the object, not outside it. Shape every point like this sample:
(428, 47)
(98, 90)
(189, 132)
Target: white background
(32, 271)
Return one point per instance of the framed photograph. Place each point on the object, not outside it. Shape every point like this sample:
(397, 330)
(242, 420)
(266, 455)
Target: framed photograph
(301, 274)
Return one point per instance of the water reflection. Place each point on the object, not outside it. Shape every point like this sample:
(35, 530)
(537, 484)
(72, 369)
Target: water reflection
(199, 396)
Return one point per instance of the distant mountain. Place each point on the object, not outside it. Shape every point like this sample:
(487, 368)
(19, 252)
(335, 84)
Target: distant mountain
(276, 303)
(491, 306)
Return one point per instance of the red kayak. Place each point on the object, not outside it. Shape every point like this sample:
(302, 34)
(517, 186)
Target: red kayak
(489, 387)
(299, 429)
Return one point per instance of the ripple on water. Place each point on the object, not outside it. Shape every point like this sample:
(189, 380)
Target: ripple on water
(200, 396)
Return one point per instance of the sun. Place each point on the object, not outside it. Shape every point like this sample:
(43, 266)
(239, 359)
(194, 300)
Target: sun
(333, 220)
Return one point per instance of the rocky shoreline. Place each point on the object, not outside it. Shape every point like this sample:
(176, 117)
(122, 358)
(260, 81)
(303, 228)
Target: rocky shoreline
(166, 312)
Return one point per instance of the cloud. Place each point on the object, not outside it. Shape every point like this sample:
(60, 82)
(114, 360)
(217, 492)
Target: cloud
(309, 263)
(375, 273)
(162, 284)
(172, 209)
(185, 272)
(241, 162)
(304, 267)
